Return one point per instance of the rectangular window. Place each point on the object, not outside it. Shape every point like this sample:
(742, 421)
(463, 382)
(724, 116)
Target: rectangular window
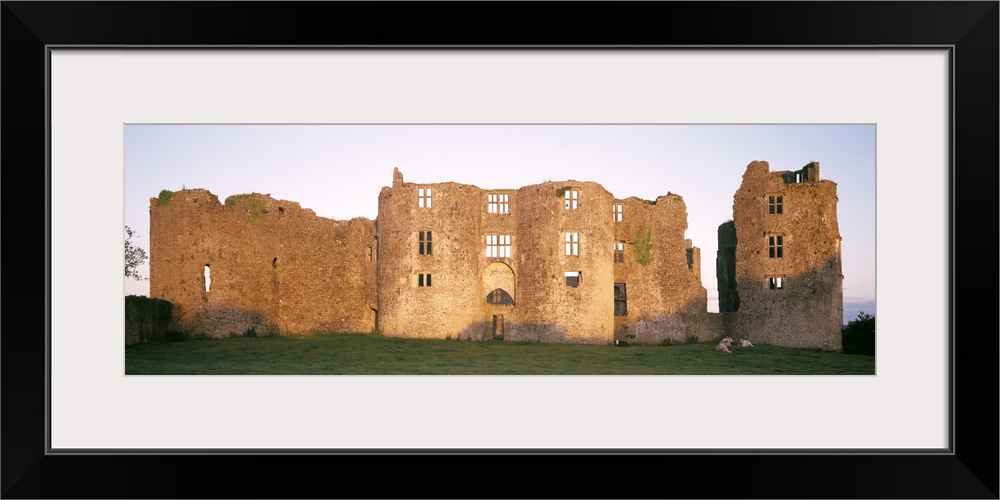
(621, 304)
(573, 278)
(572, 199)
(424, 197)
(498, 245)
(208, 278)
(619, 254)
(775, 204)
(423, 280)
(617, 209)
(497, 204)
(573, 244)
(425, 243)
(776, 283)
(774, 246)
(369, 253)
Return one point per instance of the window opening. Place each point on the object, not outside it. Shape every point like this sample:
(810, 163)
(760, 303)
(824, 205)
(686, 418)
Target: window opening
(369, 252)
(424, 280)
(774, 247)
(499, 297)
(274, 263)
(617, 209)
(208, 278)
(776, 283)
(573, 244)
(619, 255)
(424, 197)
(775, 205)
(498, 245)
(573, 278)
(572, 199)
(425, 243)
(497, 204)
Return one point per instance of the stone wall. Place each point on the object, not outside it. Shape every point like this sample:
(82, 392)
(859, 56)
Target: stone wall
(666, 293)
(271, 266)
(550, 310)
(449, 260)
(450, 303)
(662, 295)
(804, 309)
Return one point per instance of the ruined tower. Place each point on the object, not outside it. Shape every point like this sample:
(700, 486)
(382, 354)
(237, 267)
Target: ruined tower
(785, 259)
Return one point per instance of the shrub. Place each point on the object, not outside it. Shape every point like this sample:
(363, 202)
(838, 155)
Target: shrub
(146, 318)
(165, 197)
(858, 336)
(691, 339)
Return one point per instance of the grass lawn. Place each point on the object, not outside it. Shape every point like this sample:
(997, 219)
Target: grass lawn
(358, 354)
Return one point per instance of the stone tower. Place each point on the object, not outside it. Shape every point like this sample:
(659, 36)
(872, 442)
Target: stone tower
(787, 259)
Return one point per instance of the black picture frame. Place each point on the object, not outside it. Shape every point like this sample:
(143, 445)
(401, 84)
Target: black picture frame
(970, 29)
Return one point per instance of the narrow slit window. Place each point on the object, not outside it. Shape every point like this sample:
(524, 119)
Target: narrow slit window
(208, 277)
(423, 279)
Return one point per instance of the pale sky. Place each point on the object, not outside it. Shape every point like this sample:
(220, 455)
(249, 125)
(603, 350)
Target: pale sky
(338, 171)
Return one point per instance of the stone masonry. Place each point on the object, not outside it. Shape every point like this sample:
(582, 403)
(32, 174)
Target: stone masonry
(553, 262)
(781, 259)
(259, 264)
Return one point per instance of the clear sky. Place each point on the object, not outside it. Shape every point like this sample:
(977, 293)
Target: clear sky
(338, 170)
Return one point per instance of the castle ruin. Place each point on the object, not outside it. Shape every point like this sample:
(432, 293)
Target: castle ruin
(552, 262)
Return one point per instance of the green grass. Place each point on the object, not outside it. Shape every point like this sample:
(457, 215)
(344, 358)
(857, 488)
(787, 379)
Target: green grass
(356, 354)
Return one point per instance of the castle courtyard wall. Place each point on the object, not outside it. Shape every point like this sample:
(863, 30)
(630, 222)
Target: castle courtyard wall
(423, 269)
(274, 267)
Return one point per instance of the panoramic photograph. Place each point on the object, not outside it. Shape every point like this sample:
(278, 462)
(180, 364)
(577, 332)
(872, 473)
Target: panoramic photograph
(558, 249)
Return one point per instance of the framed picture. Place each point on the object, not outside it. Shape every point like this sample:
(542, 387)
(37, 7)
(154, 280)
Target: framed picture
(928, 86)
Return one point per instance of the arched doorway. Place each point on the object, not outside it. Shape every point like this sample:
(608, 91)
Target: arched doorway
(499, 290)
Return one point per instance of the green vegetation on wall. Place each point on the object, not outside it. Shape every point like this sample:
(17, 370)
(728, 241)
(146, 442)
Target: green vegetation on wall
(561, 192)
(165, 197)
(255, 205)
(644, 245)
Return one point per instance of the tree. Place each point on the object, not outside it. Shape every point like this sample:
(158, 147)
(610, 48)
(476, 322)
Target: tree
(858, 336)
(134, 256)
